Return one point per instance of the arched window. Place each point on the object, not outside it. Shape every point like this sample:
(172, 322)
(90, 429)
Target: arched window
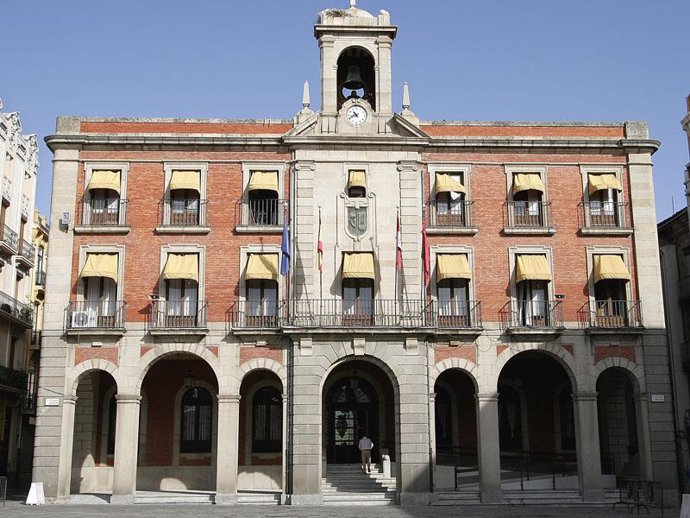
(197, 413)
(267, 421)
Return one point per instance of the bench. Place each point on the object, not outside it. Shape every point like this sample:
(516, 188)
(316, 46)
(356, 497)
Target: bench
(640, 494)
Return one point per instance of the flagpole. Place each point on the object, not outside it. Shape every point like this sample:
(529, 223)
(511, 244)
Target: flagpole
(319, 253)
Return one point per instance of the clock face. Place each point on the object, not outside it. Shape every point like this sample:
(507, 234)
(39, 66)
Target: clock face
(356, 115)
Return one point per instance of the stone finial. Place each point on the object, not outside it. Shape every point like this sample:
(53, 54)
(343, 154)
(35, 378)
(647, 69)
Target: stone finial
(1, 105)
(306, 96)
(406, 96)
(406, 112)
(353, 3)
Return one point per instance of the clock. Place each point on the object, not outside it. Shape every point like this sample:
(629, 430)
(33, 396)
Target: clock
(356, 115)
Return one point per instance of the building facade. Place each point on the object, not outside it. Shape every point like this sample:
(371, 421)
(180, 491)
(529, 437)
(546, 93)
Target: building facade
(231, 304)
(18, 170)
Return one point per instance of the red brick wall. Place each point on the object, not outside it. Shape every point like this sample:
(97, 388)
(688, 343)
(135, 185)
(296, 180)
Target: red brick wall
(111, 354)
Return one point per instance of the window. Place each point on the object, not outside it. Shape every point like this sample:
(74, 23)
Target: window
(261, 285)
(528, 191)
(603, 190)
(183, 207)
(104, 195)
(267, 421)
(611, 277)
(99, 279)
(453, 275)
(105, 207)
(197, 419)
(262, 194)
(181, 307)
(357, 184)
(358, 288)
(450, 200)
(532, 278)
(100, 300)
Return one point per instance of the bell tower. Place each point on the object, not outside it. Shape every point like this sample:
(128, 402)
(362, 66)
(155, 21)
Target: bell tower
(356, 93)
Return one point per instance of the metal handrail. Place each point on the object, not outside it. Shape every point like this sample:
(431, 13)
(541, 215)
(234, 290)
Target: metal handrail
(178, 314)
(261, 212)
(28, 250)
(10, 238)
(184, 215)
(615, 313)
(450, 214)
(16, 309)
(536, 314)
(528, 214)
(99, 314)
(104, 212)
(604, 214)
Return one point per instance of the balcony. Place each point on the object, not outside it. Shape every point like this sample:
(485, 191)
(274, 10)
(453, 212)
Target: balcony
(17, 312)
(356, 315)
(183, 216)
(605, 218)
(10, 241)
(26, 254)
(103, 216)
(527, 317)
(184, 317)
(453, 217)
(260, 216)
(99, 317)
(40, 279)
(529, 217)
(608, 316)
(13, 379)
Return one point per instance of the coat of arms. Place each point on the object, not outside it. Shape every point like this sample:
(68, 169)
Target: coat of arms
(357, 221)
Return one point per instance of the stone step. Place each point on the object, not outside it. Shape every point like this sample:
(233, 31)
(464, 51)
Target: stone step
(359, 499)
(173, 497)
(457, 498)
(258, 498)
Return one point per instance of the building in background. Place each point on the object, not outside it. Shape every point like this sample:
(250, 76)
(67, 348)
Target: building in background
(18, 170)
(674, 247)
(232, 304)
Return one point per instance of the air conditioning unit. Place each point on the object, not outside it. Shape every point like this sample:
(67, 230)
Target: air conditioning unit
(84, 319)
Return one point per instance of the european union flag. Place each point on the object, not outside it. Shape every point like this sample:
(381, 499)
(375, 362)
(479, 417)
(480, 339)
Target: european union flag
(285, 251)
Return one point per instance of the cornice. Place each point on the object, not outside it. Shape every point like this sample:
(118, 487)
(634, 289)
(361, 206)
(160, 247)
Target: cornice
(76, 141)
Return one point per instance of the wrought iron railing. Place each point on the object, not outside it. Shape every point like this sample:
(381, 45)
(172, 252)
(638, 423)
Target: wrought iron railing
(452, 214)
(16, 309)
(261, 213)
(178, 314)
(536, 314)
(188, 212)
(10, 238)
(104, 212)
(13, 378)
(615, 313)
(358, 313)
(604, 214)
(40, 278)
(28, 250)
(529, 465)
(100, 314)
(528, 214)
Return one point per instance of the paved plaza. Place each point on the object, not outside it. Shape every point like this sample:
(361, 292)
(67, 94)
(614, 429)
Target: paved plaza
(18, 510)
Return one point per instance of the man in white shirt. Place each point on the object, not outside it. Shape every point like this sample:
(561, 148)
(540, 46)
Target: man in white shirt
(365, 446)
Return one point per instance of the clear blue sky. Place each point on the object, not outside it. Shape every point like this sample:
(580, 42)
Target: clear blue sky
(464, 59)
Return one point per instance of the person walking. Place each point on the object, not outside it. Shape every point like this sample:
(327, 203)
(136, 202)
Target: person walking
(365, 446)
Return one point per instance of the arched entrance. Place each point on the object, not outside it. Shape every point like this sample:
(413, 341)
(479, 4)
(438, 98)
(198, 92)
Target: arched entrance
(536, 424)
(358, 400)
(618, 427)
(455, 418)
(178, 425)
(93, 446)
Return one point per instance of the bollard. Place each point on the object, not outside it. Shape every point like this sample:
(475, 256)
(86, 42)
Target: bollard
(386, 462)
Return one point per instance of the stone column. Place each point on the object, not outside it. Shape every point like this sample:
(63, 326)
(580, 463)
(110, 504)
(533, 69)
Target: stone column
(488, 446)
(126, 446)
(432, 437)
(227, 456)
(588, 451)
(643, 436)
(69, 404)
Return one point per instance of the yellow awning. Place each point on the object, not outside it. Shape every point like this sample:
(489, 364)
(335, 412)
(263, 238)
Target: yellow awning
(104, 180)
(452, 266)
(610, 267)
(527, 181)
(100, 265)
(357, 179)
(532, 268)
(262, 267)
(599, 182)
(358, 266)
(264, 181)
(185, 180)
(182, 266)
(446, 183)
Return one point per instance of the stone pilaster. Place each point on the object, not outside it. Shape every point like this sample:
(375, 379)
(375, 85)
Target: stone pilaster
(587, 441)
(488, 445)
(64, 475)
(126, 448)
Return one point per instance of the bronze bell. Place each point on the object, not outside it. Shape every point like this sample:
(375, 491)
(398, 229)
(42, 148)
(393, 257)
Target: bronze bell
(353, 80)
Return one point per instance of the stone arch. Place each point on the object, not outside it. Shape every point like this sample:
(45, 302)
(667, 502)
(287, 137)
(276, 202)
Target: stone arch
(385, 368)
(160, 351)
(94, 364)
(260, 364)
(460, 364)
(633, 370)
(551, 349)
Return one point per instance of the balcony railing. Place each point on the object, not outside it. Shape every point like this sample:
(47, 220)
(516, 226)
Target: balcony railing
(28, 250)
(12, 307)
(104, 212)
(360, 313)
(10, 238)
(95, 315)
(614, 314)
(178, 314)
(453, 214)
(189, 212)
(261, 213)
(528, 214)
(534, 314)
(40, 278)
(604, 214)
(13, 378)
